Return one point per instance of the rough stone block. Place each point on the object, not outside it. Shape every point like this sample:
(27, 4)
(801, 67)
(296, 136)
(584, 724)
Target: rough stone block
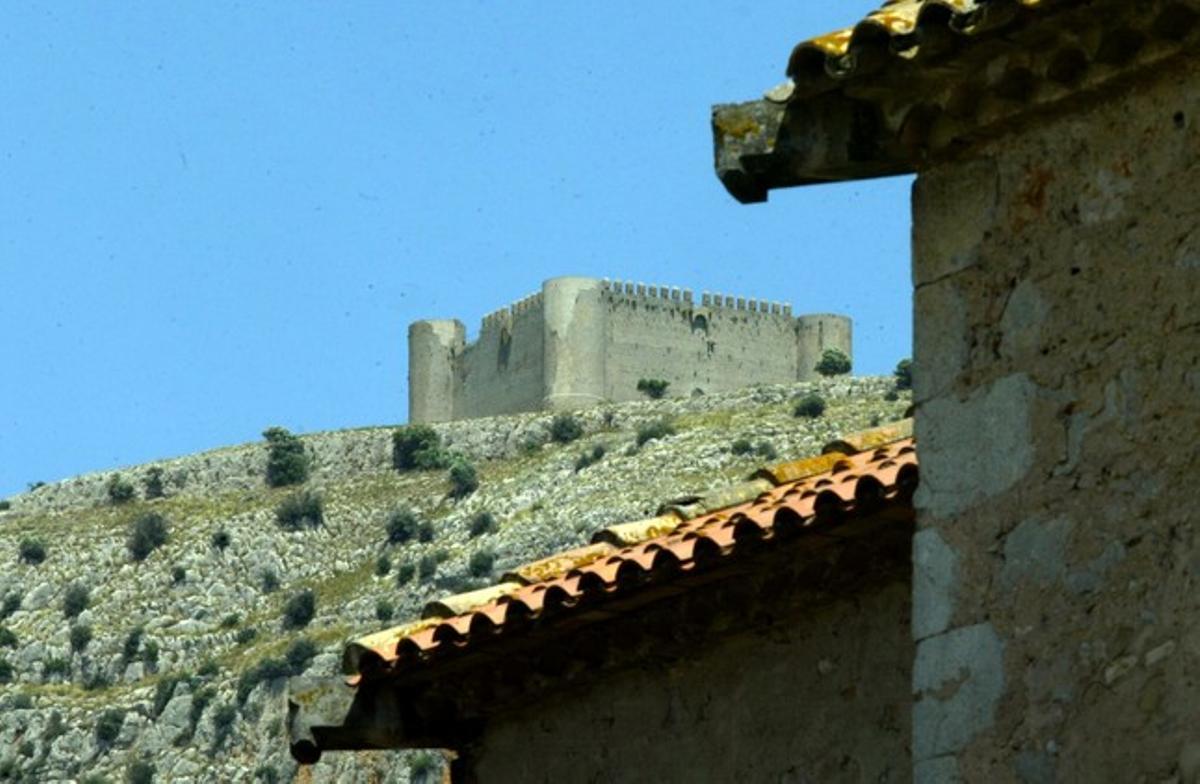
(976, 448)
(958, 678)
(935, 583)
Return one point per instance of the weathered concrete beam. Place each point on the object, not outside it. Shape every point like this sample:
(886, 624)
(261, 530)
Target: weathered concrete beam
(767, 144)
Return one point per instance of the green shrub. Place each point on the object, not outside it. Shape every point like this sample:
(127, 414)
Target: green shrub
(891, 396)
(55, 728)
(201, 699)
(150, 655)
(653, 388)
(246, 635)
(120, 490)
(565, 428)
(383, 565)
(587, 458)
(811, 406)
(140, 772)
(425, 532)
(152, 485)
(404, 573)
(301, 510)
(483, 523)
(299, 610)
(35, 485)
(27, 749)
(266, 671)
(287, 462)
(6, 670)
(11, 603)
(402, 526)
(55, 666)
(384, 610)
(5, 504)
(220, 539)
(81, 635)
(75, 600)
(223, 719)
(481, 563)
(230, 621)
(7, 638)
(164, 690)
(463, 479)
(208, 669)
(741, 446)
(654, 430)
(269, 581)
(97, 681)
(833, 363)
(108, 727)
(31, 551)
(266, 774)
(24, 701)
(765, 450)
(147, 533)
(903, 374)
(299, 655)
(178, 575)
(418, 447)
(428, 567)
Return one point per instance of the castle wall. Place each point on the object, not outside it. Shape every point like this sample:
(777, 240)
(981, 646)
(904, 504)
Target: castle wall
(718, 344)
(433, 349)
(502, 372)
(576, 342)
(581, 341)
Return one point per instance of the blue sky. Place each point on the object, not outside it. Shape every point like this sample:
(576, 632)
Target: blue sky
(216, 217)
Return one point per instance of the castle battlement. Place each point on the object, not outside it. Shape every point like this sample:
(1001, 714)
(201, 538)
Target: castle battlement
(581, 341)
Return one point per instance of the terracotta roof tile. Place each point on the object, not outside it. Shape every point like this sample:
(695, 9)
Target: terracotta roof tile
(883, 470)
(559, 563)
(638, 531)
(895, 31)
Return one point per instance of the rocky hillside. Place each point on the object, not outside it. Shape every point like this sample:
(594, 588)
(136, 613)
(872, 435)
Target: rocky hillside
(169, 668)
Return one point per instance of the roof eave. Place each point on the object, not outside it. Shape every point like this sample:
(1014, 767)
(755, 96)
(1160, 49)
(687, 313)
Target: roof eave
(762, 145)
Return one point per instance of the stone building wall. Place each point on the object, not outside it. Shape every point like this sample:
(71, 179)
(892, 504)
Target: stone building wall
(581, 341)
(823, 697)
(1057, 354)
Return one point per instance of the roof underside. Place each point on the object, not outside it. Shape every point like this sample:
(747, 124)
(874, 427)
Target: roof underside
(921, 79)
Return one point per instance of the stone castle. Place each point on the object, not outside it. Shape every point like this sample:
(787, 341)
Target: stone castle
(581, 341)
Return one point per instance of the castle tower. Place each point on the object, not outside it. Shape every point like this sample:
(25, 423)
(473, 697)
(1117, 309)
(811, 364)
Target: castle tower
(433, 347)
(575, 342)
(815, 333)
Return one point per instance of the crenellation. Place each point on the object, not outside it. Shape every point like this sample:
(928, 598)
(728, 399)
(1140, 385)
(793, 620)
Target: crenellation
(581, 341)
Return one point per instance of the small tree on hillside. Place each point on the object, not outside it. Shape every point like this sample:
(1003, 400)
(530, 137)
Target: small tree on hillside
(653, 388)
(903, 374)
(833, 363)
(120, 490)
(147, 534)
(565, 428)
(418, 447)
(287, 462)
(464, 479)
